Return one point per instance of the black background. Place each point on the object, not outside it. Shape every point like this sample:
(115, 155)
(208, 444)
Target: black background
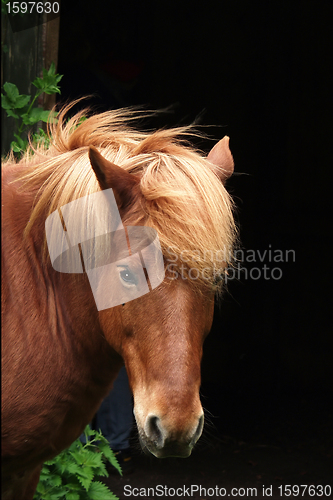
(260, 73)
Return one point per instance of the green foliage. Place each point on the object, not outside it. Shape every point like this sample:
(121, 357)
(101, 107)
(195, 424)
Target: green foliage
(3, 6)
(21, 109)
(71, 475)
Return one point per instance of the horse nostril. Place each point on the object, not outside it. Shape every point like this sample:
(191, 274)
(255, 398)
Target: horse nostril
(154, 431)
(198, 431)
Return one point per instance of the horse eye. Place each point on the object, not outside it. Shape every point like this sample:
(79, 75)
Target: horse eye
(128, 277)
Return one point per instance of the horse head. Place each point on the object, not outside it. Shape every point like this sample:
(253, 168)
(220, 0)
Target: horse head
(161, 333)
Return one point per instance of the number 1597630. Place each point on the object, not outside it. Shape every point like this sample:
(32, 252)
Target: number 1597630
(30, 7)
(301, 490)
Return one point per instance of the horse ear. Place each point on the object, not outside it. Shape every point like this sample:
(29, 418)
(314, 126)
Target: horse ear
(220, 156)
(111, 176)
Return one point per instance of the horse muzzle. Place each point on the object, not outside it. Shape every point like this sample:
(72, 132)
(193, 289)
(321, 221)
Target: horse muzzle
(165, 439)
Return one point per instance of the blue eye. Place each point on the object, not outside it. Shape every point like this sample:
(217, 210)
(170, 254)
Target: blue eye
(128, 277)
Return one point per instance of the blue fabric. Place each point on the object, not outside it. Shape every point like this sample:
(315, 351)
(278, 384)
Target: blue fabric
(115, 415)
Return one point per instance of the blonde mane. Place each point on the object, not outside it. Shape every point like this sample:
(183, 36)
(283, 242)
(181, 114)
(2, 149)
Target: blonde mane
(185, 201)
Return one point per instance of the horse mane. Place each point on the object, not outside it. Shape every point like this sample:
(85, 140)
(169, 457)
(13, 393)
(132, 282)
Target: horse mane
(185, 201)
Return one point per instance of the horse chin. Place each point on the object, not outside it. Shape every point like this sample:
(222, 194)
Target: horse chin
(172, 449)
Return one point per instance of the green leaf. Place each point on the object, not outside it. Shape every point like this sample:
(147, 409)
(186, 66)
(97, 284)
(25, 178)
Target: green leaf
(38, 82)
(89, 432)
(10, 112)
(108, 453)
(45, 469)
(73, 496)
(41, 488)
(98, 491)
(57, 494)
(101, 470)
(56, 480)
(34, 116)
(52, 89)
(72, 487)
(19, 146)
(73, 468)
(44, 476)
(3, 6)
(79, 456)
(6, 103)
(44, 116)
(19, 105)
(87, 458)
(94, 459)
(61, 462)
(86, 477)
(77, 445)
(52, 461)
(48, 83)
(11, 91)
(51, 71)
(22, 143)
(15, 147)
(22, 101)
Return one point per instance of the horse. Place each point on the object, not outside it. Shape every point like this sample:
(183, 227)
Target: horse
(61, 353)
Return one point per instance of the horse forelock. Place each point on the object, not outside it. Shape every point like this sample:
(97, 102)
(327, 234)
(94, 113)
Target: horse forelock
(183, 198)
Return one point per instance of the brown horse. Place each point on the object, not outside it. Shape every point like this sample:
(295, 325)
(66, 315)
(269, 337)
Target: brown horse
(60, 353)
